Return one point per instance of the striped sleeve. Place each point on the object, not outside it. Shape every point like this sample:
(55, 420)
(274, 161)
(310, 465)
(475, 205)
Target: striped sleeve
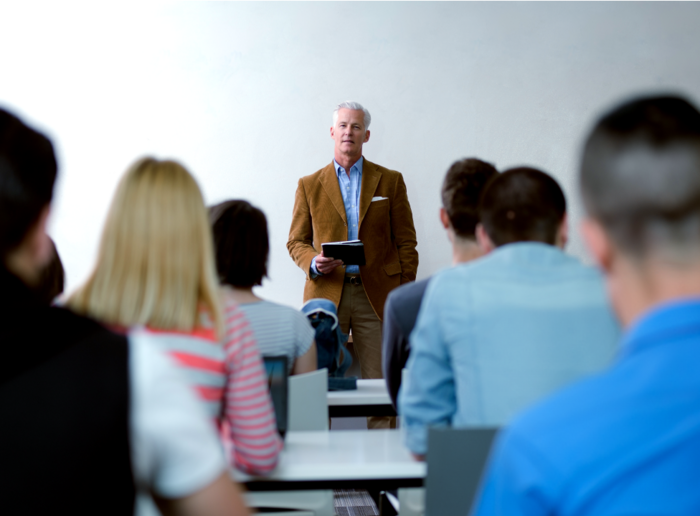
(248, 408)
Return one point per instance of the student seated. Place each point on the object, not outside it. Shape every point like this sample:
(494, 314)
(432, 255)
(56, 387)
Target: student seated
(461, 189)
(626, 441)
(86, 414)
(242, 248)
(498, 333)
(155, 269)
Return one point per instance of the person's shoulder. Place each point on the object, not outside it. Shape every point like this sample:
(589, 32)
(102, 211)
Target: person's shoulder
(316, 176)
(68, 325)
(555, 425)
(407, 293)
(456, 275)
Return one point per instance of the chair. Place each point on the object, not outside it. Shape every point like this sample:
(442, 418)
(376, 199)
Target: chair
(308, 402)
(456, 460)
(307, 411)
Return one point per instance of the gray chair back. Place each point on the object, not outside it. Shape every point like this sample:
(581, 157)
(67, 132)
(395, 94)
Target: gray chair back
(308, 401)
(456, 459)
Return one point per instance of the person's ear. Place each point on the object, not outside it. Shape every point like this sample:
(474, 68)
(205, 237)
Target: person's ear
(483, 239)
(332, 132)
(33, 253)
(366, 136)
(444, 218)
(598, 243)
(563, 232)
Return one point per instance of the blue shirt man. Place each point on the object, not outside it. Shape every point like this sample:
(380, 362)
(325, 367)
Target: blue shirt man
(350, 190)
(616, 443)
(498, 333)
(626, 441)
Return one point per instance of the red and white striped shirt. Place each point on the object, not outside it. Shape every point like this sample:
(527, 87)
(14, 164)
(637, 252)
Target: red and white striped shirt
(230, 379)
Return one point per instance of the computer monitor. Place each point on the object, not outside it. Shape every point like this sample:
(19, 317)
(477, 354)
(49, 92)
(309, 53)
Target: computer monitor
(277, 375)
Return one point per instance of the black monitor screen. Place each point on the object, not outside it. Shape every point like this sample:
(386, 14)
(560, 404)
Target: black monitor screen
(276, 368)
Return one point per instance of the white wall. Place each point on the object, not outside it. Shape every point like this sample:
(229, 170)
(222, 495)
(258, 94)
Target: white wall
(242, 93)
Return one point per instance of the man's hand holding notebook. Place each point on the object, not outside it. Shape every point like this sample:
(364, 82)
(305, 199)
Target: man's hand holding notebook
(351, 252)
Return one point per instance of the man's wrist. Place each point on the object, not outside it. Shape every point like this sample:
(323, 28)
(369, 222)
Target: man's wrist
(313, 270)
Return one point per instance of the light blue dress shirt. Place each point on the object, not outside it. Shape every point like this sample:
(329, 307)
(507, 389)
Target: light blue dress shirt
(626, 441)
(350, 190)
(497, 334)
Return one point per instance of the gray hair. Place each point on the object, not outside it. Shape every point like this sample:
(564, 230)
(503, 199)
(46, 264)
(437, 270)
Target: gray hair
(349, 104)
(640, 178)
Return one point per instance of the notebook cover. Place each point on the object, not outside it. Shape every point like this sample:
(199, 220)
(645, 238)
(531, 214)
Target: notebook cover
(350, 254)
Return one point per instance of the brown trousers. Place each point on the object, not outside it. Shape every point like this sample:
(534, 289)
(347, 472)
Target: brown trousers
(355, 312)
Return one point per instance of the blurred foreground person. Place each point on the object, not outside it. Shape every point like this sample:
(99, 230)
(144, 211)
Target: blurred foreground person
(155, 270)
(242, 248)
(626, 441)
(52, 277)
(86, 414)
(461, 188)
(496, 334)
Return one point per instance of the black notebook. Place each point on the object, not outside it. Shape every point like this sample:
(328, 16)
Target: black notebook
(352, 252)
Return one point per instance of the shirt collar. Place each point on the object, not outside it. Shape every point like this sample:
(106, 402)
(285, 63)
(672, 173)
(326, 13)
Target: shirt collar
(662, 323)
(357, 166)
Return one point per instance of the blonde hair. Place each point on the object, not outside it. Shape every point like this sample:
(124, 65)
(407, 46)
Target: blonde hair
(156, 263)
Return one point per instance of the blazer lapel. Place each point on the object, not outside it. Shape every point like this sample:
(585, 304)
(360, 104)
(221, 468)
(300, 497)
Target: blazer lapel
(370, 180)
(329, 180)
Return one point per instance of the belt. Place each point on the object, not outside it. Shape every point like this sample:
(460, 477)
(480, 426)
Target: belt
(353, 280)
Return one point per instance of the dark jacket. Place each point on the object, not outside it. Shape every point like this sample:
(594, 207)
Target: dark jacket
(400, 314)
(64, 400)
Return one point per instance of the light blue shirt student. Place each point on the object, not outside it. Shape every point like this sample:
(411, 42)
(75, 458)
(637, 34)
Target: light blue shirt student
(626, 441)
(497, 334)
(350, 190)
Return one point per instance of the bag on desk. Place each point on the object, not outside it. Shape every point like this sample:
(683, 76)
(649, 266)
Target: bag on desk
(330, 343)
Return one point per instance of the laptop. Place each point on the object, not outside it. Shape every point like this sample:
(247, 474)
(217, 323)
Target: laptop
(456, 460)
(277, 375)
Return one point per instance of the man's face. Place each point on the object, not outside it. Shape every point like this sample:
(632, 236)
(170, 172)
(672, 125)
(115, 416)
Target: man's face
(349, 132)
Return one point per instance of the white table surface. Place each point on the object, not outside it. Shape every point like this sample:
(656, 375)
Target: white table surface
(344, 455)
(369, 392)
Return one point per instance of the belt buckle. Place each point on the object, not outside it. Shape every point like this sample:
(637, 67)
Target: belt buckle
(355, 280)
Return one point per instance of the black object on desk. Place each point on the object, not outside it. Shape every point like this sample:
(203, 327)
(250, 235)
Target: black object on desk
(277, 374)
(351, 252)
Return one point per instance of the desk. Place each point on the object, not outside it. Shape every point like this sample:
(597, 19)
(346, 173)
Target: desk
(370, 399)
(345, 459)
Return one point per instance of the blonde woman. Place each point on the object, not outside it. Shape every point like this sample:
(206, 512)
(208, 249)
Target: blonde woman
(155, 271)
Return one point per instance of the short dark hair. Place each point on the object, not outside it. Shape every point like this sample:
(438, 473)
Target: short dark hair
(241, 243)
(522, 205)
(461, 189)
(640, 174)
(27, 175)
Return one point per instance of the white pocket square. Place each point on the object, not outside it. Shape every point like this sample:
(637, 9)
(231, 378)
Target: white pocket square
(378, 199)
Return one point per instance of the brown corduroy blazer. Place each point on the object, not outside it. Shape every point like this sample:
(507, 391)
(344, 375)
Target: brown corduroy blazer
(386, 229)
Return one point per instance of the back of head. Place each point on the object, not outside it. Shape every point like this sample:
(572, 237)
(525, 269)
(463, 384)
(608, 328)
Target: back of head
(461, 189)
(27, 176)
(241, 243)
(522, 205)
(640, 177)
(155, 265)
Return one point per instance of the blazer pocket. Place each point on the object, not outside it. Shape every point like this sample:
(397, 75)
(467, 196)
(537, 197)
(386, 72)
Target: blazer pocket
(392, 269)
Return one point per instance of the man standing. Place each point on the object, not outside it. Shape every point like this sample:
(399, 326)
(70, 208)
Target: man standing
(626, 441)
(349, 199)
(461, 189)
